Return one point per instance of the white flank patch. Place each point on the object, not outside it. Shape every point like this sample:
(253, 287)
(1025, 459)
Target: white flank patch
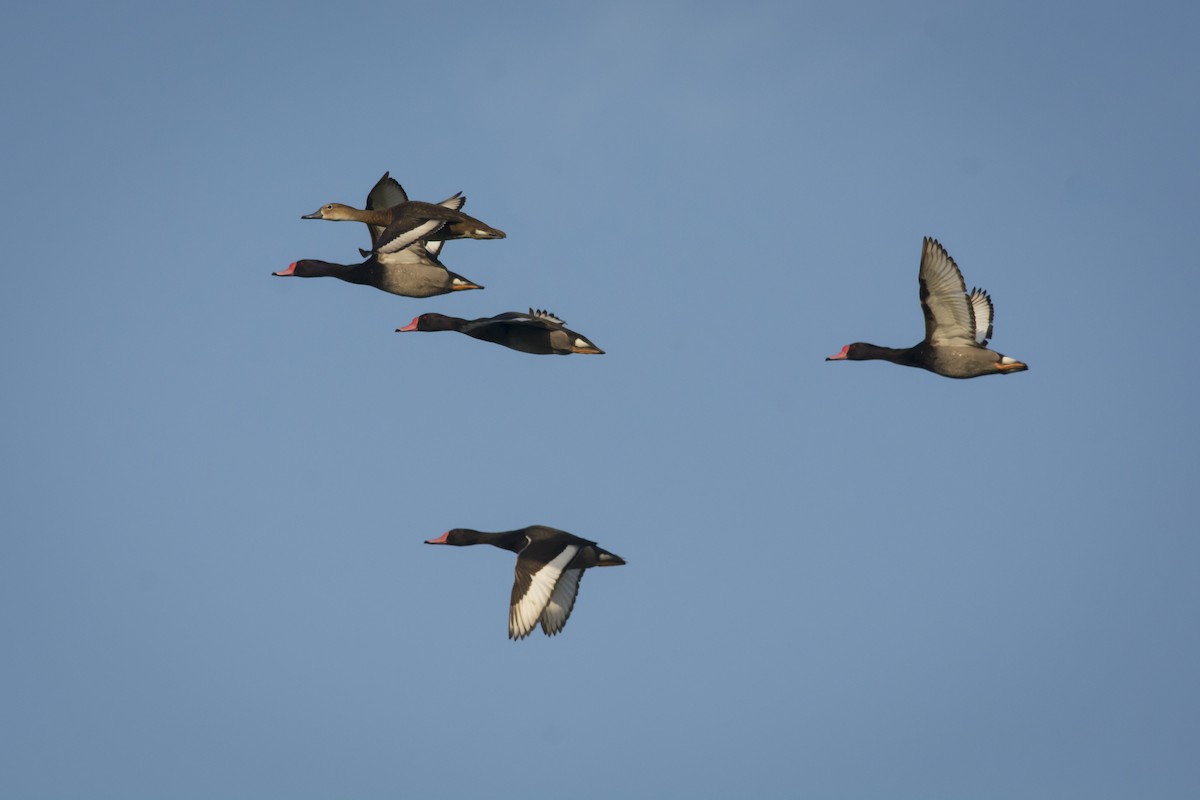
(525, 613)
(582, 343)
(1007, 360)
(554, 617)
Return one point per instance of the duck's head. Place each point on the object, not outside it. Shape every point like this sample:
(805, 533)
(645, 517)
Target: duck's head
(849, 352)
(454, 537)
(334, 211)
(432, 322)
(305, 268)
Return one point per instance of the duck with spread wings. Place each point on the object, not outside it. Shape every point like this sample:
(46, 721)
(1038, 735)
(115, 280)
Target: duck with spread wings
(550, 565)
(957, 326)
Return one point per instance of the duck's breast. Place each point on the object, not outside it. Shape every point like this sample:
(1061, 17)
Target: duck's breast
(415, 281)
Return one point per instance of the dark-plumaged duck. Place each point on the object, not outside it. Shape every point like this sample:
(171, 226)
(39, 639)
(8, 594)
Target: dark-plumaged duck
(396, 222)
(957, 326)
(414, 271)
(550, 565)
(538, 332)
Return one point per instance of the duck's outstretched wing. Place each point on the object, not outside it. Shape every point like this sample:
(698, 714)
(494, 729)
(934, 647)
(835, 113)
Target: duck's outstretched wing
(541, 567)
(556, 613)
(949, 315)
(981, 308)
(386, 193)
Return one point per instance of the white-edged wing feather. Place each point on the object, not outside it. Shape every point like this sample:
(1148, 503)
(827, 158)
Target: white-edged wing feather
(542, 319)
(533, 589)
(562, 602)
(454, 202)
(981, 307)
(546, 315)
(949, 319)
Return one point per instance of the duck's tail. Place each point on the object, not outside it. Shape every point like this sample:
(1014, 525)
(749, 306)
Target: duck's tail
(607, 559)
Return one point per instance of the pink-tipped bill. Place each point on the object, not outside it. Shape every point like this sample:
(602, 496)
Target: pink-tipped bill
(841, 355)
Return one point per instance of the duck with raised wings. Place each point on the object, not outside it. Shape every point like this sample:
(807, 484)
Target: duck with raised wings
(957, 326)
(396, 222)
(550, 565)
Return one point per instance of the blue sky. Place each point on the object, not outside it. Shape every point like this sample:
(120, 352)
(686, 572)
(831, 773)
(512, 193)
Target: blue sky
(843, 580)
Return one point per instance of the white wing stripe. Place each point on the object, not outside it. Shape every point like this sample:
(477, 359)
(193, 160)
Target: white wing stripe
(408, 237)
(561, 602)
(528, 609)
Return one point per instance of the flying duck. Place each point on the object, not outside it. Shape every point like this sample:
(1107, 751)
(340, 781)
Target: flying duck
(396, 222)
(957, 326)
(414, 271)
(538, 332)
(550, 565)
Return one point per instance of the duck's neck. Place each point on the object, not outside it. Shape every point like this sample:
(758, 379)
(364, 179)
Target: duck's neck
(873, 352)
(353, 273)
(505, 540)
(380, 217)
(441, 322)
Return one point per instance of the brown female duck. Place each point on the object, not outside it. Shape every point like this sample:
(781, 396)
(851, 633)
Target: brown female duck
(396, 222)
